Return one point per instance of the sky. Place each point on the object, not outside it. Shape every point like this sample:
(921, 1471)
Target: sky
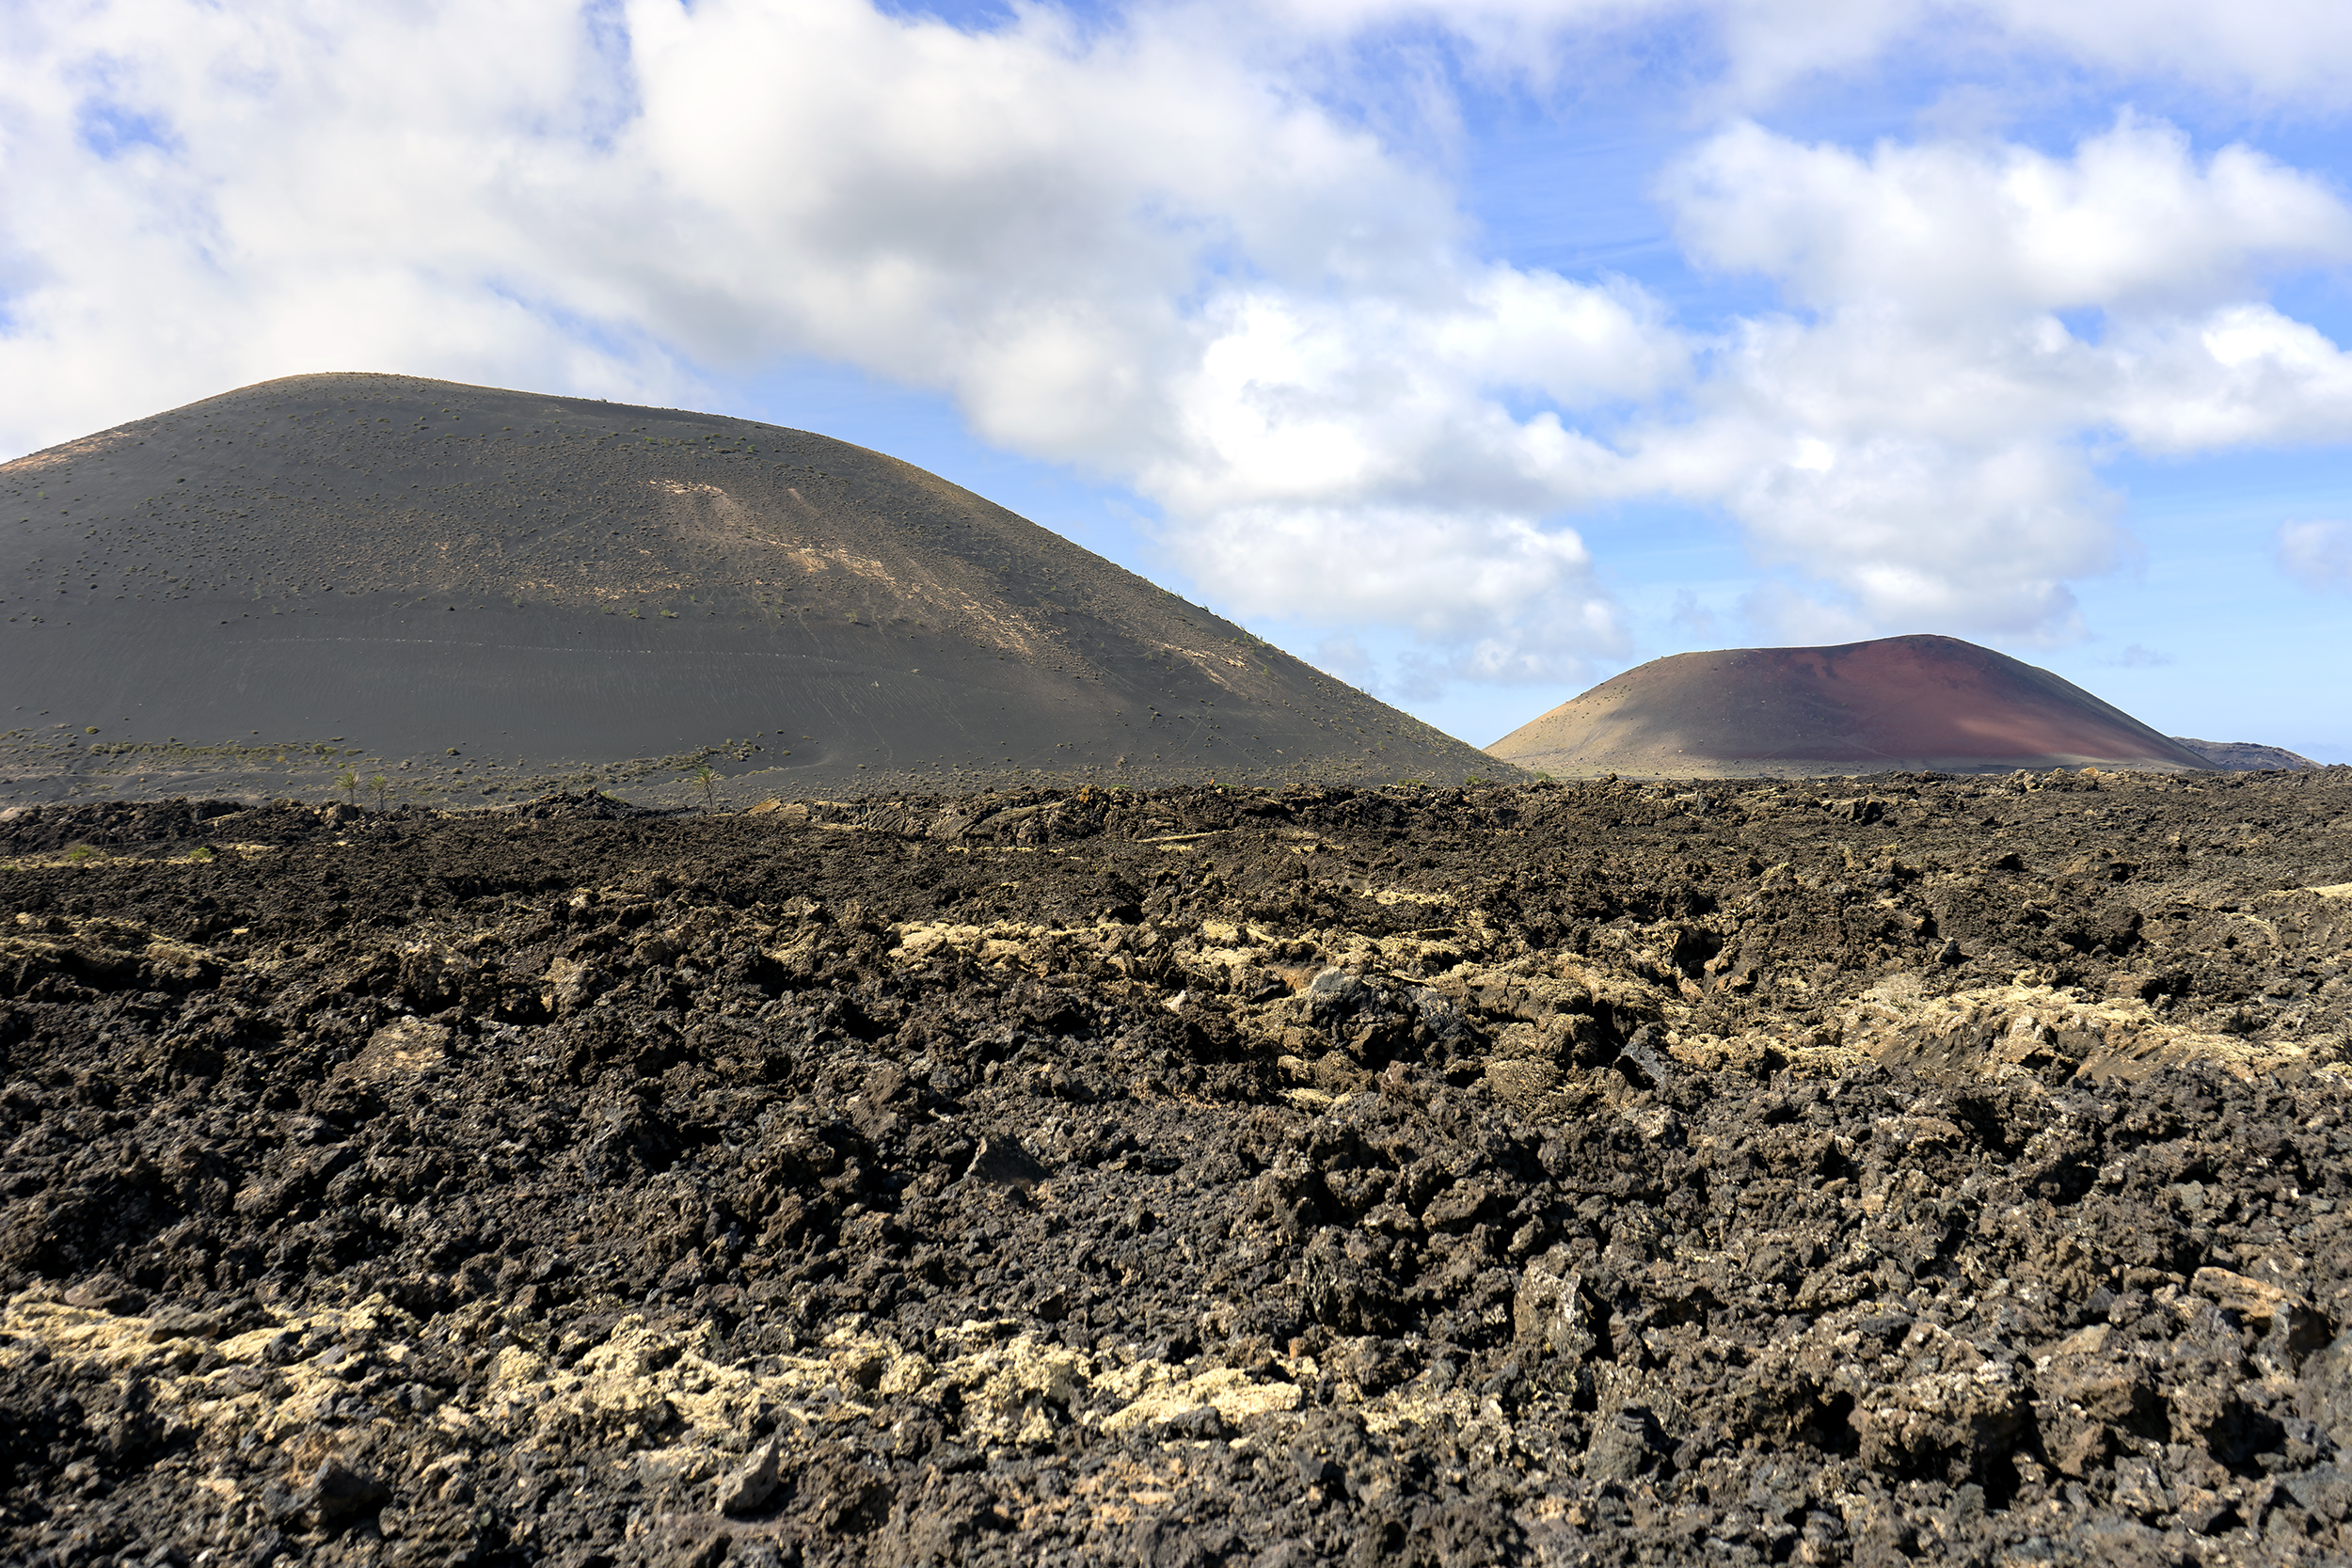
(1474, 352)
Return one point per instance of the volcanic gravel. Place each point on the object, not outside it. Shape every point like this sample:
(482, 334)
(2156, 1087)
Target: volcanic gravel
(1906, 1168)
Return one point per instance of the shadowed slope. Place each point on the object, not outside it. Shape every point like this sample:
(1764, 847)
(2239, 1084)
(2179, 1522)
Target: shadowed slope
(382, 568)
(1863, 707)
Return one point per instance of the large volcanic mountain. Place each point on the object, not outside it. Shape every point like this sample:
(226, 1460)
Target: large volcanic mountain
(1930, 702)
(381, 568)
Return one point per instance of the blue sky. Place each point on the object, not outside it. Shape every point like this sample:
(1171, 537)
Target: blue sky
(1473, 351)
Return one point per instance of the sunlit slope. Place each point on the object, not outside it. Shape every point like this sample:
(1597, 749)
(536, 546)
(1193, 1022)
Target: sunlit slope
(1921, 703)
(415, 565)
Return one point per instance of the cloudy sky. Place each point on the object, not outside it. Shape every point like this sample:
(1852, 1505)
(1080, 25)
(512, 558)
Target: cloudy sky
(1473, 351)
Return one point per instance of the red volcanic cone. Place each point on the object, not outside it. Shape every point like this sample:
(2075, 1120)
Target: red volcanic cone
(1862, 708)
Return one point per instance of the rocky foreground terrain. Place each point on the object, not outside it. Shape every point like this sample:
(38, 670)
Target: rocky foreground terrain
(1819, 1171)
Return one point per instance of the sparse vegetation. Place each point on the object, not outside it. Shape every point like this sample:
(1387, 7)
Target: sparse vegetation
(706, 778)
(381, 788)
(348, 782)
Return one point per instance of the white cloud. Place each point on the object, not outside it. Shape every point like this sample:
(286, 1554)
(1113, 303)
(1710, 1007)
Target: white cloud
(199, 196)
(1920, 438)
(1948, 229)
(2238, 375)
(2316, 554)
(2272, 50)
(1508, 600)
(1131, 253)
(1147, 247)
(1125, 248)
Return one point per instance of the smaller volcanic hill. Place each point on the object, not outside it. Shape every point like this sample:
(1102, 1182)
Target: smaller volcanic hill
(1930, 703)
(2246, 756)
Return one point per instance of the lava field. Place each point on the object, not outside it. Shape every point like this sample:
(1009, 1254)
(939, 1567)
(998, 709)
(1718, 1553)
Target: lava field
(1813, 1171)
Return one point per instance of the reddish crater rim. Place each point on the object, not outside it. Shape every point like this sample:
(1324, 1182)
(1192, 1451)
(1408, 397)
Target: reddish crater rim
(1897, 702)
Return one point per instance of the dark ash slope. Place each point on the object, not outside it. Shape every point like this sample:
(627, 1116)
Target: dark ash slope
(367, 571)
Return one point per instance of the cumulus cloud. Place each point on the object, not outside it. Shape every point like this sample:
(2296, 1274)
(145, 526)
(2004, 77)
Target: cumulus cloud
(1918, 435)
(1125, 248)
(1957, 228)
(1147, 247)
(1131, 252)
(199, 196)
(2317, 554)
(2268, 50)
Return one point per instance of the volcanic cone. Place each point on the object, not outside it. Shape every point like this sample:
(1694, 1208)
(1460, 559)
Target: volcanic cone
(1925, 703)
(375, 569)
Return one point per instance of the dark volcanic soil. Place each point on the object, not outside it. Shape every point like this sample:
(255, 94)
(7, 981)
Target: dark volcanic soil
(1907, 1167)
(459, 593)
